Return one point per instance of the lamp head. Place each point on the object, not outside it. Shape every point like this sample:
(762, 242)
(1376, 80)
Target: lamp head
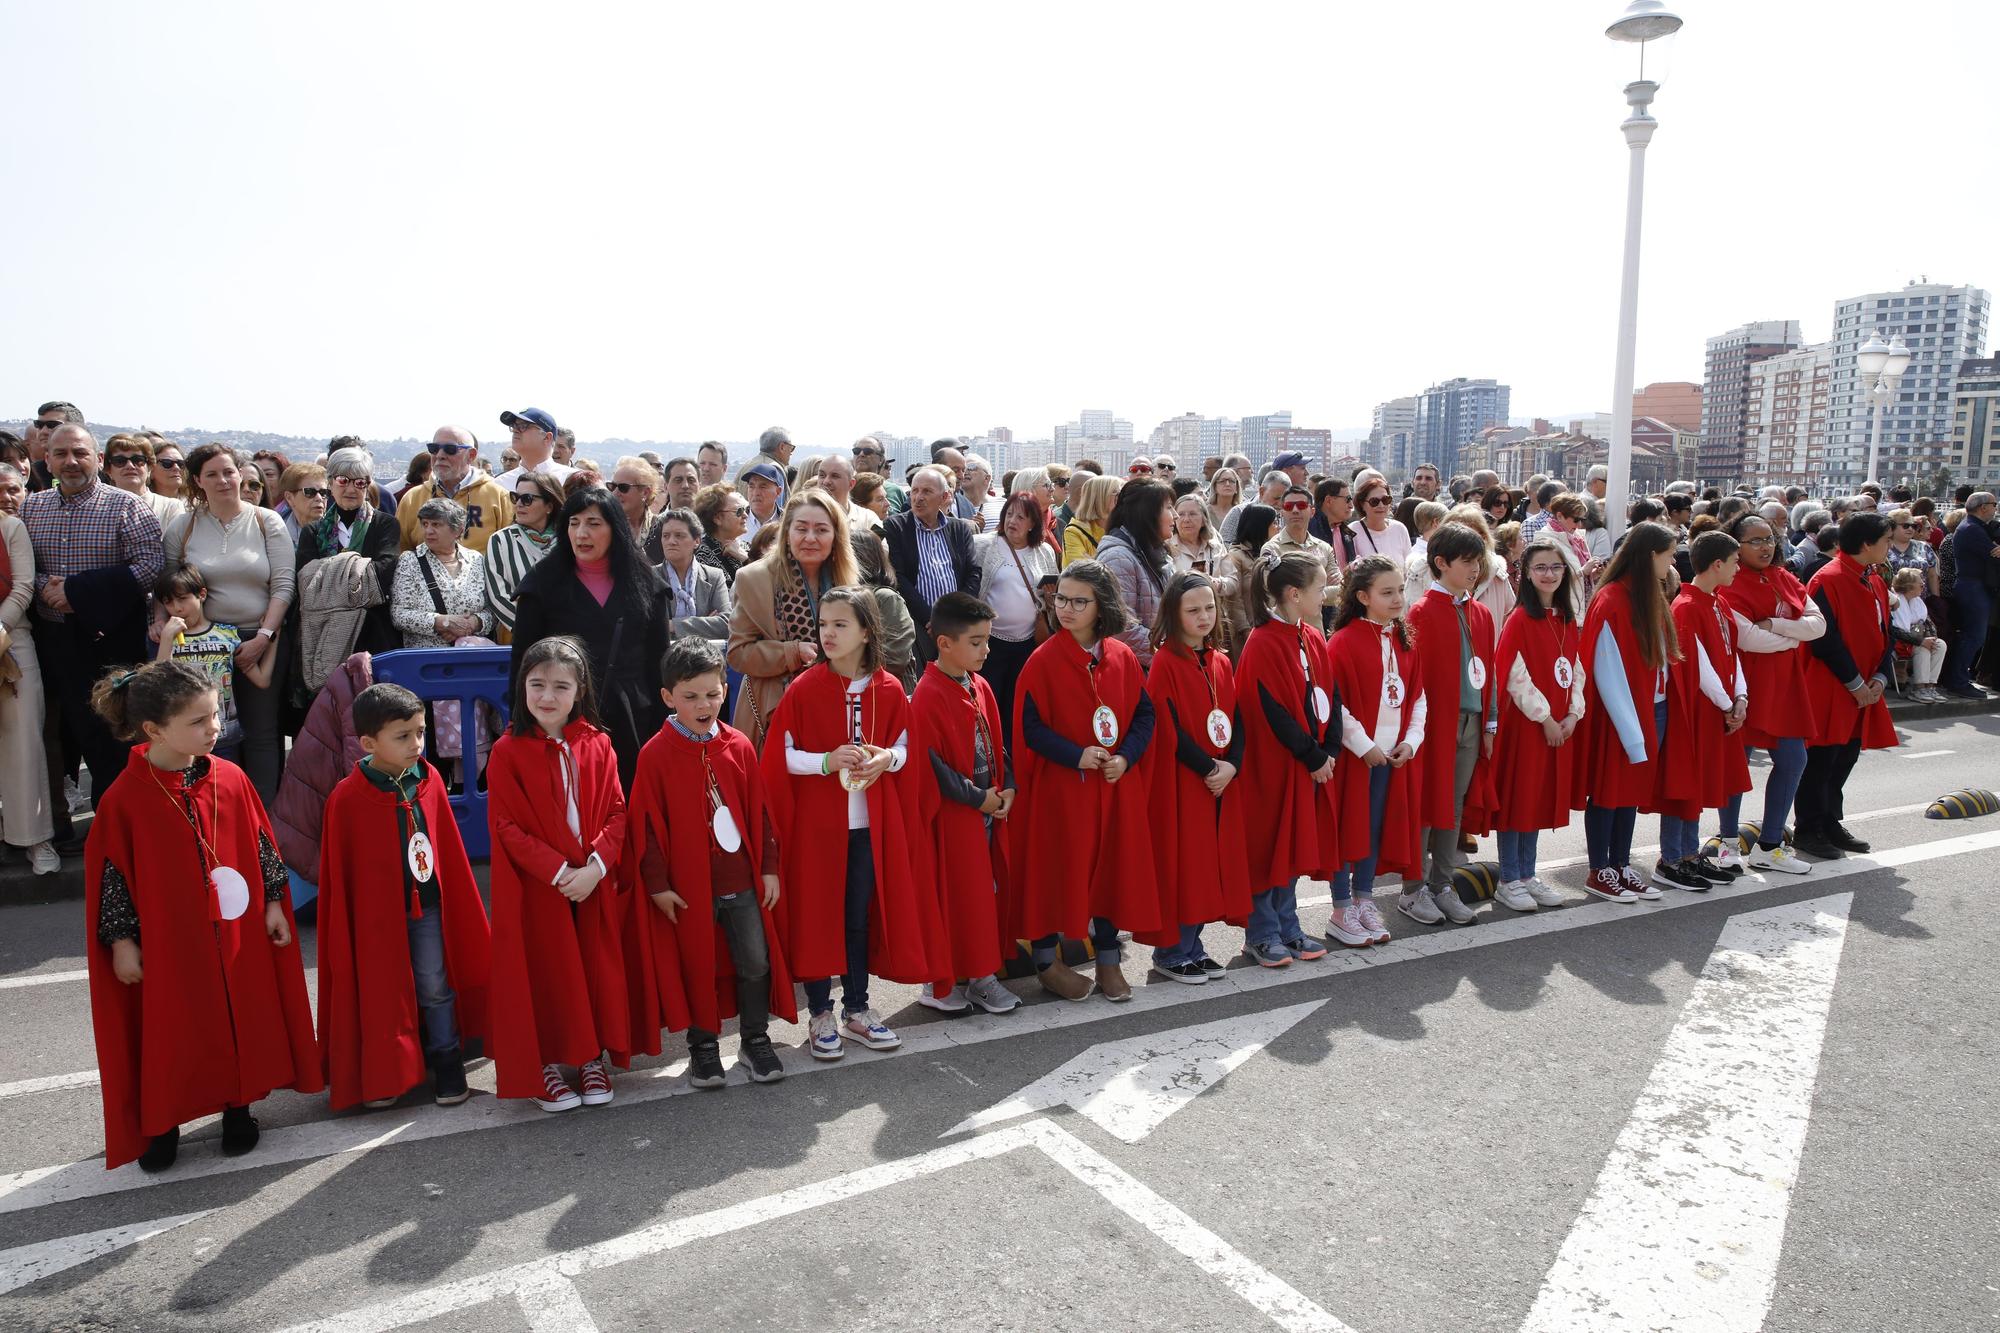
(1898, 361)
(1642, 21)
(1873, 356)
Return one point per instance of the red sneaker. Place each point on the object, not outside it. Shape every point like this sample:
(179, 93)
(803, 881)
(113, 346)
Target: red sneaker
(596, 1083)
(557, 1094)
(1609, 885)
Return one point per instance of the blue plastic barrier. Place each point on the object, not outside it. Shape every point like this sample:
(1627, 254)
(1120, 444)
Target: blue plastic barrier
(472, 676)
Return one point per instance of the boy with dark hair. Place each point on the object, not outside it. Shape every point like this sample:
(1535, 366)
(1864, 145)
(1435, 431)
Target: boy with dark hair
(707, 853)
(404, 953)
(1703, 763)
(962, 855)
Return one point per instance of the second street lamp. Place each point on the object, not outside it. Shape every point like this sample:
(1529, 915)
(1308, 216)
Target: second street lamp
(1881, 366)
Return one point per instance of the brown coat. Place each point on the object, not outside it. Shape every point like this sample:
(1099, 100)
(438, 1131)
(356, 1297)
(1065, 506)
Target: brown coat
(767, 661)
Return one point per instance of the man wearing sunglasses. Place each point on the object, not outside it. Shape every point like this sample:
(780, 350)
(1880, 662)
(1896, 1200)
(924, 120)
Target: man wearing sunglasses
(1295, 510)
(455, 475)
(869, 456)
(48, 417)
(534, 433)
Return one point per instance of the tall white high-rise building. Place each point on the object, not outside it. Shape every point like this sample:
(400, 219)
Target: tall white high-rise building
(1784, 417)
(1073, 438)
(1179, 436)
(1942, 325)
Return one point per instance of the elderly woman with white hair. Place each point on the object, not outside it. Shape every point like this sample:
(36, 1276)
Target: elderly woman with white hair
(329, 598)
(980, 492)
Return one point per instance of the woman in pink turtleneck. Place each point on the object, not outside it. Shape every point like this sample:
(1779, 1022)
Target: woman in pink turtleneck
(597, 588)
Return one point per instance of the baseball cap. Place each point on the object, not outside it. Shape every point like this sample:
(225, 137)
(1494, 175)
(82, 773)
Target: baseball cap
(1289, 458)
(534, 416)
(766, 471)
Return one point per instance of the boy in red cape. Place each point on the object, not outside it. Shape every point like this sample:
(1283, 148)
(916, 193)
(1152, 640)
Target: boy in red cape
(962, 841)
(197, 994)
(1455, 635)
(703, 944)
(1382, 715)
(404, 953)
(1853, 663)
(1080, 856)
(1702, 763)
(1197, 802)
(835, 764)
(558, 817)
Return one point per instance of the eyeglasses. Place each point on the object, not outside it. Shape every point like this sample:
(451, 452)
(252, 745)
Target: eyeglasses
(49, 425)
(868, 453)
(627, 487)
(171, 464)
(315, 492)
(250, 483)
(1537, 570)
(1766, 540)
(1073, 603)
(1296, 506)
(349, 481)
(1165, 467)
(1378, 502)
(523, 427)
(125, 460)
(527, 498)
(450, 450)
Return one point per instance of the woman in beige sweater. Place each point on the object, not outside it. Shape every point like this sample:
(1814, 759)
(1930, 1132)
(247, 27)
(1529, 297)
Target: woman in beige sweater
(774, 631)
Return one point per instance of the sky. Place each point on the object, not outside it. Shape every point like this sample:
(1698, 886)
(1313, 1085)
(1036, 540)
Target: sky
(674, 222)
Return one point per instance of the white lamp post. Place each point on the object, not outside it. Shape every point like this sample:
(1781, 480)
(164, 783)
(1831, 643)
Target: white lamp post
(1881, 365)
(1643, 21)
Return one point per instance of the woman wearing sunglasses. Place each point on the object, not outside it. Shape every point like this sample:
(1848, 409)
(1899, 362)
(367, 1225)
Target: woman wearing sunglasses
(128, 465)
(305, 493)
(519, 547)
(169, 467)
(1376, 533)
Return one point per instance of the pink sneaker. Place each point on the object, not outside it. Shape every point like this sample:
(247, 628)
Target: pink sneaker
(1371, 919)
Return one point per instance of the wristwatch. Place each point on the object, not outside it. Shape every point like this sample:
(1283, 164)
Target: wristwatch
(264, 633)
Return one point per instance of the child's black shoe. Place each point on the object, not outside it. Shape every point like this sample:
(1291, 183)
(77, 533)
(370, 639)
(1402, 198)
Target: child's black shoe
(705, 1065)
(763, 1061)
(239, 1131)
(448, 1077)
(162, 1151)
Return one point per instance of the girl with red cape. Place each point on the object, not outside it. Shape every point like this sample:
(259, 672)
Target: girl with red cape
(1702, 765)
(1081, 856)
(558, 819)
(197, 994)
(835, 757)
(1382, 715)
(1630, 638)
(962, 838)
(1197, 804)
(703, 944)
(1540, 665)
(1292, 820)
(1775, 620)
(1853, 663)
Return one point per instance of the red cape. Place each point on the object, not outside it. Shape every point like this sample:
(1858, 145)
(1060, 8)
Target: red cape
(559, 987)
(221, 1018)
(1356, 650)
(1080, 846)
(812, 832)
(1536, 793)
(1779, 705)
(1860, 607)
(1436, 623)
(961, 865)
(1701, 765)
(370, 1035)
(1604, 776)
(682, 973)
(1208, 875)
(1291, 824)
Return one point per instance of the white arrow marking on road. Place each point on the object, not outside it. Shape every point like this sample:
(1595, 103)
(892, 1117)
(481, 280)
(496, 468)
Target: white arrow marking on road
(32, 1263)
(1129, 1088)
(1685, 1225)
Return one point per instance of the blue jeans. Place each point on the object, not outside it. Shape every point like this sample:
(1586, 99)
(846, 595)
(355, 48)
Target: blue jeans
(1607, 830)
(1788, 764)
(1187, 950)
(1517, 854)
(1103, 942)
(437, 1007)
(1360, 876)
(860, 897)
(1274, 916)
(1680, 839)
(1971, 610)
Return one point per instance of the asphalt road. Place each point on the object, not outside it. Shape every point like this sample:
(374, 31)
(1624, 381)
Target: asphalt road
(1769, 1107)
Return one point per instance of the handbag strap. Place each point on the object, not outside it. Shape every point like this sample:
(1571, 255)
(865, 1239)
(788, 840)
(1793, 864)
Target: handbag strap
(1023, 569)
(430, 581)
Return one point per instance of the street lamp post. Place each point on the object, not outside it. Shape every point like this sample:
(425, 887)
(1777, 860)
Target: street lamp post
(1643, 21)
(1881, 365)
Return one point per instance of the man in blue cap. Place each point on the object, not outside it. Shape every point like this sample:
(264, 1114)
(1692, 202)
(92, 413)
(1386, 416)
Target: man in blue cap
(763, 485)
(535, 441)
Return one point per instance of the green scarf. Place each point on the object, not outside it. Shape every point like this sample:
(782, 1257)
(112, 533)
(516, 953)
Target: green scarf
(329, 522)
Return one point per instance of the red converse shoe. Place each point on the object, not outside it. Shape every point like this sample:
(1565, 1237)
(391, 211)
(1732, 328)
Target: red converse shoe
(596, 1084)
(557, 1094)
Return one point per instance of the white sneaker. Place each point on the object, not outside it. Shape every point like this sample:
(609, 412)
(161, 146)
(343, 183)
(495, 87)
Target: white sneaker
(1417, 905)
(867, 1027)
(75, 797)
(42, 856)
(990, 995)
(952, 1001)
(1371, 918)
(1453, 907)
(1345, 926)
(1728, 857)
(825, 1037)
(1780, 859)
(1545, 895)
(1513, 894)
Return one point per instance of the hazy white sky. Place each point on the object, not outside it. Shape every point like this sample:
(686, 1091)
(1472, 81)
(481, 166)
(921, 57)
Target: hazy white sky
(678, 221)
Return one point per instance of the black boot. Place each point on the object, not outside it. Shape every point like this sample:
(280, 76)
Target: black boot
(705, 1064)
(448, 1076)
(239, 1131)
(160, 1154)
(1837, 834)
(1807, 838)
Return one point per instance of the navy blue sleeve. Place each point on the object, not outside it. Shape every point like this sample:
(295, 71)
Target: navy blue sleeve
(1055, 748)
(1140, 734)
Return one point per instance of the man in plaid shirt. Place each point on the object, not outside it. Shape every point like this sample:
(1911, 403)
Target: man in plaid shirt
(97, 555)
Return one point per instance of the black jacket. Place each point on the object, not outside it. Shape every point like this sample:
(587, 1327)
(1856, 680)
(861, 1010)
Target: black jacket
(899, 531)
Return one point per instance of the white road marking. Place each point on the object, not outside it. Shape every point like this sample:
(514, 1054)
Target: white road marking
(43, 979)
(83, 1078)
(1129, 1088)
(38, 1187)
(1922, 754)
(546, 1292)
(1685, 1225)
(32, 1263)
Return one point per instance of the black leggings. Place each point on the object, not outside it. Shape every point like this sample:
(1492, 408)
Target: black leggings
(1821, 800)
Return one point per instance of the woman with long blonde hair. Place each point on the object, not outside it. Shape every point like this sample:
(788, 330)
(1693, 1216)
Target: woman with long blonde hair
(774, 630)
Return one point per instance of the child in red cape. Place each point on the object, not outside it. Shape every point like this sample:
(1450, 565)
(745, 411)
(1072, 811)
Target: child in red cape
(703, 943)
(197, 994)
(962, 838)
(835, 757)
(1702, 765)
(558, 817)
(1462, 718)
(1292, 822)
(1853, 663)
(1197, 803)
(1382, 716)
(1630, 638)
(1540, 667)
(404, 949)
(1081, 856)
